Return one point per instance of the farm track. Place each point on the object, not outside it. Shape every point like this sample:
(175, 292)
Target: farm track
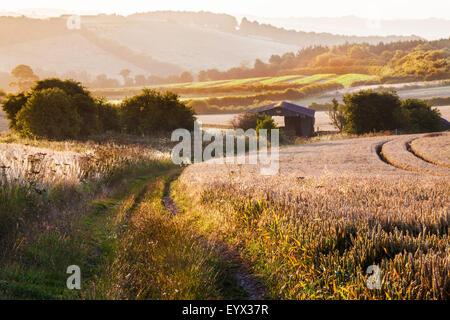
(242, 271)
(398, 153)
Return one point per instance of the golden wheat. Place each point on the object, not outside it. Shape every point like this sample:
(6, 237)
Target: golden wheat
(433, 148)
(334, 209)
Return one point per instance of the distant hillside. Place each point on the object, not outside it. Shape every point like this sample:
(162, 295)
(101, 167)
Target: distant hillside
(188, 45)
(403, 61)
(431, 28)
(63, 54)
(304, 39)
(154, 43)
(201, 40)
(50, 45)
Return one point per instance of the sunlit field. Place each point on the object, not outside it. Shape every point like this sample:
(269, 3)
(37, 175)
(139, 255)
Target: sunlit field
(346, 80)
(334, 209)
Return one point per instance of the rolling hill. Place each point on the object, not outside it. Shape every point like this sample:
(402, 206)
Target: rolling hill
(63, 53)
(156, 43)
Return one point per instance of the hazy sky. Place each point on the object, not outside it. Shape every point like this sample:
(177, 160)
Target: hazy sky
(382, 9)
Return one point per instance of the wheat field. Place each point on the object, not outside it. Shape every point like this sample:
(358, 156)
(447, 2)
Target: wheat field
(433, 148)
(334, 209)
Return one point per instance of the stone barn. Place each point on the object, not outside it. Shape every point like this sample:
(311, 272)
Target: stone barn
(298, 120)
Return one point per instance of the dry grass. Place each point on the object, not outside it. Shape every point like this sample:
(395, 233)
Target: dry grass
(334, 209)
(105, 213)
(36, 182)
(159, 256)
(67, 162)
(3, 121)
(20, 163)
(433, 148)
(52, 209)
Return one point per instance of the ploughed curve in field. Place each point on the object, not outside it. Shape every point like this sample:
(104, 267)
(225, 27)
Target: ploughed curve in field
(433, 148)
(399, 153)
(356, 156)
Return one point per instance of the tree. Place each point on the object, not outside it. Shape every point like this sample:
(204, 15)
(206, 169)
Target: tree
(108, 116)
(81, 100)
(140, 80)
(125, 73)
(102, 81)
(259, 67)
(70, 87)
(266, 123)
(200, 106)
(81, 103)
(275, 59)
(152, 111)
(186, 77)
(357, 52)
(12, 105)
(25, 77)
(247, 121)
(86, 108)
(49, 113)
(337, 115)
(210, 74)
(417, 116)
(369, 111)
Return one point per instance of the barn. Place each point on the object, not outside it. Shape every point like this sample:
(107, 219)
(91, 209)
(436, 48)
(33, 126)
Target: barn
(298, 120)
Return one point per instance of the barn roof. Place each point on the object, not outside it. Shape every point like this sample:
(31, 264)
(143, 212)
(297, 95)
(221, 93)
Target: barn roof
(286, 106)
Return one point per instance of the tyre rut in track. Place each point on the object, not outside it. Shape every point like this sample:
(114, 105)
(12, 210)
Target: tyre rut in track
(242, 271)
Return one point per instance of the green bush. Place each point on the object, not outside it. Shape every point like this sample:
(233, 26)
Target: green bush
(70, 87)
(86, 108)
(370, 111)
(336, 113)
(108, 116)
(12, 105)
(267, 123)
(247, 121)
(152, 111)
(49, 113)
(83, 103)
(417, 116)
